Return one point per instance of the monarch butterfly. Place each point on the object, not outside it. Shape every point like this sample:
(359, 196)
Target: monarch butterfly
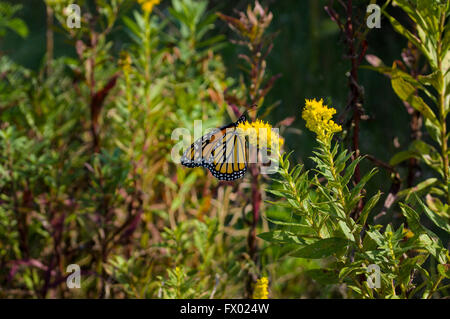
(223, 151)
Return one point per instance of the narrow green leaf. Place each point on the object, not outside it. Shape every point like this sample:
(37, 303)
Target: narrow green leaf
(426, 237)
(403, 31)
(402, 156)
(350, 170)
(279, 215)
(407, 92)
(18, 26)
(434, 131)
(281, 237)
(322, 248)
(432, 79)
(357, 189)
(323, 276)
(346, 230)
(368, 207)
(435, 218)
(422, 186)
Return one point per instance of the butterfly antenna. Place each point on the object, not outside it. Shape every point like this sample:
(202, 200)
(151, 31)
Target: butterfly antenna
(251, 110)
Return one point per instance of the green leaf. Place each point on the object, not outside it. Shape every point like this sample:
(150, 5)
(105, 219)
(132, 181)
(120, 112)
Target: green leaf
(354, 193)
(407, 92)
(276, 192)
(284, 216)
(444, 270)
(368, 207)
(350, 170)
(434, 247)
(355, 289)
(322, 248)
(281, 237)
(435, 218)
(18, 26)
(403, 31)
(347, 271)
(434, 131)
(407, 266)
(323, 276)
(432, 79)
(402, 156)
(394, 72)
(277, 222)
(428, 154)
(426, 238)
(419, 188)
(425, 14)
(346, 230)
(413, 219)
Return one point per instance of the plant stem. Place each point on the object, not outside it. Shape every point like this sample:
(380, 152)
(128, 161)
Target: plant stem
(340, 194)
(355, 52)
(444, 143)
(435, 285)
(442, 111)
(49, 38)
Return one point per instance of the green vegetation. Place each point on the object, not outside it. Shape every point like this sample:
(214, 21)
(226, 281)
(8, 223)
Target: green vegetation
(87, 175)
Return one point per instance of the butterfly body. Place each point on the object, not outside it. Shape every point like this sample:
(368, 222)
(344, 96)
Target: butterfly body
(223, 151)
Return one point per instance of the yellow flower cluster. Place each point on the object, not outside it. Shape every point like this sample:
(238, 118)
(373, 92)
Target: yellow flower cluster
(260, 134)
(318, 119)
(408, 233)
(147, 5)
(261, 290)
(125, 62)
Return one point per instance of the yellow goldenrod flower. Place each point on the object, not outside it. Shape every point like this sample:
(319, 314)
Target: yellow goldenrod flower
(147, 5)
(318, 119)
(261, 290)
(260, 134)
(408, 233)
(125, 62)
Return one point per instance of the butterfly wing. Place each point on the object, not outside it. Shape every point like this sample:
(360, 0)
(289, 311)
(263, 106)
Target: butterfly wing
(230, 158)
(195, 155)
(223, 151)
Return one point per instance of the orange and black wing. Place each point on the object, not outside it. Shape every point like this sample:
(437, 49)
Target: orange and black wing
(223, 151)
